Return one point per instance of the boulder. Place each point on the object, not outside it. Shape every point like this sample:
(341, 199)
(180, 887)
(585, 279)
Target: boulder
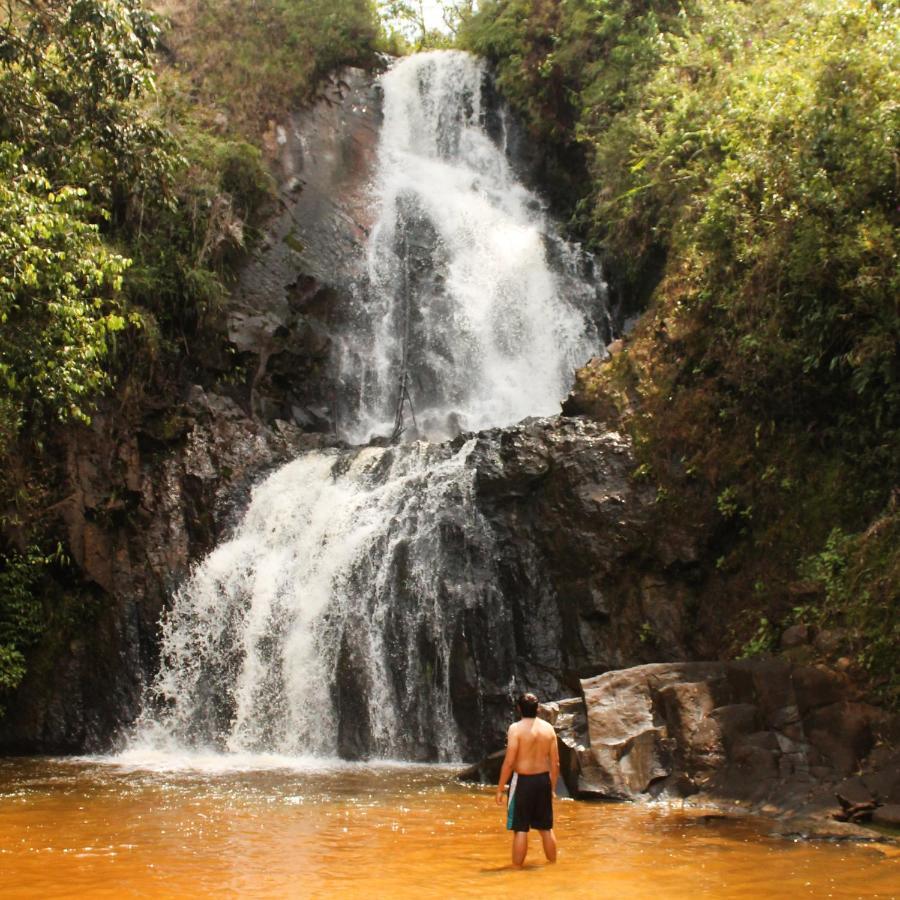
(884, 783)
(843, 733)
(852, 792)
(888, 815)
(795, 636)
(760, 731)
(729, 732)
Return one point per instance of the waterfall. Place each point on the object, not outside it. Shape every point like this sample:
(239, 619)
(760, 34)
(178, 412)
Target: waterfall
(340, 617)
(477, 312)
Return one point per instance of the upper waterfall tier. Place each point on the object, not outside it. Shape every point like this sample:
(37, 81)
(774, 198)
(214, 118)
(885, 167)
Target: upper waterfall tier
(476, 312)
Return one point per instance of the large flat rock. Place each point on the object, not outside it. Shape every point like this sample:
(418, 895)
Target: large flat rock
(744, 729)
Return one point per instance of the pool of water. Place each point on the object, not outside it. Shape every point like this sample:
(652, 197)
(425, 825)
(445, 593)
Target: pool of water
(267, 827)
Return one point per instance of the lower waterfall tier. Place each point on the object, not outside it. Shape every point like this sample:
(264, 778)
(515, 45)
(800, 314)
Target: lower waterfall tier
(389, 602)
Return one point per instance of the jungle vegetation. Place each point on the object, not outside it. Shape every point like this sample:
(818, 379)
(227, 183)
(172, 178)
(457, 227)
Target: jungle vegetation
(736, 163)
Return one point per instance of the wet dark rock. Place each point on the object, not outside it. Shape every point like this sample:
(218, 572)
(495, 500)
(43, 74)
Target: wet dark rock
(888, 815)
(294, 296)
(816, 828)
(138, 512)
(843, 733)
(884, 783)
(485, 771)
(583, 565)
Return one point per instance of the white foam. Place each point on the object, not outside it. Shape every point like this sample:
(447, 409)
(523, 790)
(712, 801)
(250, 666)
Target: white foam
(252, 645)
(211, 762)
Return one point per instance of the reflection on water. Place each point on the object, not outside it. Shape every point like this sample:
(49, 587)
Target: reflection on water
(85, 828)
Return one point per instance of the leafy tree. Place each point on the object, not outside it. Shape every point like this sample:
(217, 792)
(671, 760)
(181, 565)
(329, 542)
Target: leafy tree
(58, 299)
(21, 615)
(410, 16)
(72, 75)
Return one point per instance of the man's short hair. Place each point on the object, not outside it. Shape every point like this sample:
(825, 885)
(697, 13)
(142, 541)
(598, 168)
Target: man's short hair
(527, 705)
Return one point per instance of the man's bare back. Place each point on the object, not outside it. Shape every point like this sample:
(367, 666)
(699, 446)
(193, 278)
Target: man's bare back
(532, 762)
(535, 742)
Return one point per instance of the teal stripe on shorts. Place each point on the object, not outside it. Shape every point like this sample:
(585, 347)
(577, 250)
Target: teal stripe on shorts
(511, 803)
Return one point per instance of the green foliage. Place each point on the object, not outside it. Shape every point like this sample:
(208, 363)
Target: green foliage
(738, 163)
(407, 25)
(860, 577)
(647, 635)
(21, 618)
(76, 148)
(71, 78)
(763, 642)
(58, 306)
(185, 244)
(570, 68)
(102, 161)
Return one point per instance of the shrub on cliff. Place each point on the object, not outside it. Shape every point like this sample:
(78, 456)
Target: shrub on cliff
(248, 63)
(742, 158)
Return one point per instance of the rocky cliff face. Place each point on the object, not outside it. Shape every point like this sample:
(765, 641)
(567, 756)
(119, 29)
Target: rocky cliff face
(593, 578)
(591, 582)
(757, 731)
(145, 499)
(139, 511)
(293, 296)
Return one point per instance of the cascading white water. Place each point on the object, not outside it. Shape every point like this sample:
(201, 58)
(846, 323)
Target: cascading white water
(310, 584)
(337, 618)
(465, 311)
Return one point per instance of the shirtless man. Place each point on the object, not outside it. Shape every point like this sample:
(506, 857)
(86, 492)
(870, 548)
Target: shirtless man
(532, 759)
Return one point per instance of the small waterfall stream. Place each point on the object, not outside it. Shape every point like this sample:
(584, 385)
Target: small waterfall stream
(338, 618)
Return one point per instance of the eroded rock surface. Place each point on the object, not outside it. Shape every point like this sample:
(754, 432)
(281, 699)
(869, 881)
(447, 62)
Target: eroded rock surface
(139, 512)
(742, 729)
(756, 735)
(292, 298)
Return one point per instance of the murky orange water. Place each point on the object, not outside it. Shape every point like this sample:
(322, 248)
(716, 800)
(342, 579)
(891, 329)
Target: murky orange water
(83, 829)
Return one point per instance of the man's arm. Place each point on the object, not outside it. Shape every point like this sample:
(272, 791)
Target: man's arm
(554, 762)
(509, 761)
